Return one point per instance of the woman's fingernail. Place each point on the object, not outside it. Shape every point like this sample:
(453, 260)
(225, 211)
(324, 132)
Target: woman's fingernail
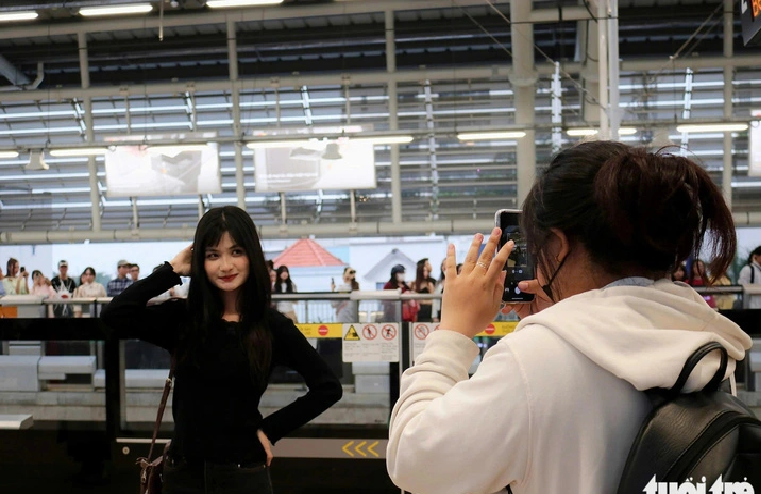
(496, 231)
(523, 285)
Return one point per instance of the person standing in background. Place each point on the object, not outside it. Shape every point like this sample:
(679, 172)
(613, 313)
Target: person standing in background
(346, 310)
(117, 286)
(64, 288)
(423, 284)
(750, 274)
(15, 282)
(88, 289)
(134, 272)
(284, 284)
(41, 285)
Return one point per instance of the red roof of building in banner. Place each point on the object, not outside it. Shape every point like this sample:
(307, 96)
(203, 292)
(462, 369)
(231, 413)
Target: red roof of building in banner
(307, 253)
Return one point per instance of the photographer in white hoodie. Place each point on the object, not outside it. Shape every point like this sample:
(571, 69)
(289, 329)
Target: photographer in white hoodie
(555, 406)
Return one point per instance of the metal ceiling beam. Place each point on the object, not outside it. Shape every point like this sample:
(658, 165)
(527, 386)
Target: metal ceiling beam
(441, 227)
(13, 74)
(205, 17)
(488, 72)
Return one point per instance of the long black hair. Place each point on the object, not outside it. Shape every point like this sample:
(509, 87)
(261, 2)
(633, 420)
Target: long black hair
(279, 282)
(205, 306)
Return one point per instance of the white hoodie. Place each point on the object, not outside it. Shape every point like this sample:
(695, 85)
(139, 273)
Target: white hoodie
(554, 406)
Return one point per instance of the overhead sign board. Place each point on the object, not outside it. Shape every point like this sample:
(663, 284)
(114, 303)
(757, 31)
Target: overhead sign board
(750, 13)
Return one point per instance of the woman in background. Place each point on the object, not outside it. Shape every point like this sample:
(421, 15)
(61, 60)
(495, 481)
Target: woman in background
(284, 284)
(423, 284)
(89, 288)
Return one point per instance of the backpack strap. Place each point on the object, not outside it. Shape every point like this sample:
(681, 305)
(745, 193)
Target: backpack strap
(696, 357)
(162, 406)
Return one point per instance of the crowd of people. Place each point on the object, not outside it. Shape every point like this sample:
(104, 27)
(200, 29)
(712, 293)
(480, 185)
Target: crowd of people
(16, 281)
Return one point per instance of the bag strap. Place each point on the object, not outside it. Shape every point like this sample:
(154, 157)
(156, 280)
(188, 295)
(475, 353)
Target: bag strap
(696, 357)
(162, 406)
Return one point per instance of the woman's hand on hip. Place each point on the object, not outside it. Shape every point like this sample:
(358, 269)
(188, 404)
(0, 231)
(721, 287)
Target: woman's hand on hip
(473, 297)
(266, 444)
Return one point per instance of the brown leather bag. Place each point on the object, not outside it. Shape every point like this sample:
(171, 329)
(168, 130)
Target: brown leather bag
(151, 472)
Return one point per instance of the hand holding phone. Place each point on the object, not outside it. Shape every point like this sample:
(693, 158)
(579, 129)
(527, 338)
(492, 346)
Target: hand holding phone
(520, 264)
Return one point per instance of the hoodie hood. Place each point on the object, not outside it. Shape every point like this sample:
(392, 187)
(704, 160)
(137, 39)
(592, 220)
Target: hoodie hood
(644, 334)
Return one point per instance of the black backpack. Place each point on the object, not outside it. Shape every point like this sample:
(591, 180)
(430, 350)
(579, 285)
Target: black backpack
(686, 437)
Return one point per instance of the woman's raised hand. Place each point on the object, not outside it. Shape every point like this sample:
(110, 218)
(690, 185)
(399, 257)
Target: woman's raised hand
(473, 297)
(181, 262)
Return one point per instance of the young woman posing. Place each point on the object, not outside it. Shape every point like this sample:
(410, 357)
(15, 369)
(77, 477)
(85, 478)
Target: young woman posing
(225, 339)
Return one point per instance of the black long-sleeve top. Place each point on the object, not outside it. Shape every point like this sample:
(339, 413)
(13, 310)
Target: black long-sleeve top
(215, 404)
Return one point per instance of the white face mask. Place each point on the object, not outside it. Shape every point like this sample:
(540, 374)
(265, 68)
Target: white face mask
(400, 277)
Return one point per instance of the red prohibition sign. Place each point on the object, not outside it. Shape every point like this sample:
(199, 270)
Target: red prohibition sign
(370, 332)
(322, 330)
(389, 332)
(421, 331)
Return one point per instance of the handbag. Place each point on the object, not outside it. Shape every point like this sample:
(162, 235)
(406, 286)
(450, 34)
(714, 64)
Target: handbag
(410, 309)
(151, 472)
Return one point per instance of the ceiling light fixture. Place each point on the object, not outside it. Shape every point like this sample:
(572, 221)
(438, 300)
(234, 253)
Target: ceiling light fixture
(227, 4)
(132, 8)
(706, 128)
(67, 152)
(627, 131)
(18, 16)
(474, 136)
(582, 132)
(380, 140)
(8, 155)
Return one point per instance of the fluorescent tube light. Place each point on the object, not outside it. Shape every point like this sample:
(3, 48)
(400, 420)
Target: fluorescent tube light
(226, 4)
(8, 155)
(278, 144)
(18, 16)
(474, 136)
(132, 8)
(385, 139)
(178, 148)
(582, 132)
(627, 131)
(704, 128)
(66, 152)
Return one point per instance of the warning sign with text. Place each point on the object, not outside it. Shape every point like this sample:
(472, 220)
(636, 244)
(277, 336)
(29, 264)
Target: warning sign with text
(371, 342)
(420, 330)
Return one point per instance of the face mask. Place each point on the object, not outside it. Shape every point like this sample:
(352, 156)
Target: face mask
(547, 288)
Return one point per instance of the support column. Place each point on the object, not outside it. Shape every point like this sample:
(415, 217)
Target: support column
(726, 173)
(232, 49)
(92, 166)
(588, 55)
(614, 114)
(393, 122)
(602, 67)
(523, 81)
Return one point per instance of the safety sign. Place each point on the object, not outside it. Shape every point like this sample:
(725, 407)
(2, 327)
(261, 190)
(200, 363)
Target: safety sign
(371, 342)
(420, 331)
(499, 328)
(326, 330)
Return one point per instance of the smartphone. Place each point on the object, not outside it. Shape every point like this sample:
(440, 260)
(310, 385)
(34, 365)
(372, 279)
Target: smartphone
(520, 264)
(23, 269)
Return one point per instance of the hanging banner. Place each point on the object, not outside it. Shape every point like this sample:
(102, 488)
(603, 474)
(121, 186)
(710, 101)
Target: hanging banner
(341, 163)
(133, 171)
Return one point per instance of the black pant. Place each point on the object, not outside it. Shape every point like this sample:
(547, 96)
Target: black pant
(181, 477)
